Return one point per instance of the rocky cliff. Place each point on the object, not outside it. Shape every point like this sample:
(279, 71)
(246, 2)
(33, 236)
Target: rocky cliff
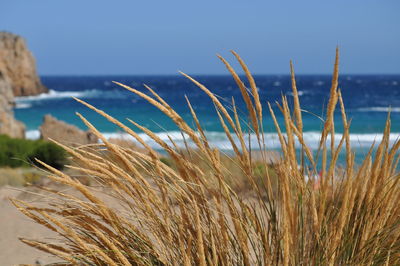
(18, 77)
(8, 124)
(18, 66)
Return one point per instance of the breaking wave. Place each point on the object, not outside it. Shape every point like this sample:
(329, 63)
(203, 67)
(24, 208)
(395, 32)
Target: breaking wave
(54, 95)
(220, 141)
(379, 109)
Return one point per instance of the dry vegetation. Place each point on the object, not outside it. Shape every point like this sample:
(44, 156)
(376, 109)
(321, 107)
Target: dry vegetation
(18, 177)
(189, 214)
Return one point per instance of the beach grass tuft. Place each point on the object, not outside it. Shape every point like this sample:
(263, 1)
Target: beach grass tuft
(198, 206)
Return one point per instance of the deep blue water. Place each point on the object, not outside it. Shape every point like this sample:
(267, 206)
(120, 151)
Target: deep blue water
(367, 99)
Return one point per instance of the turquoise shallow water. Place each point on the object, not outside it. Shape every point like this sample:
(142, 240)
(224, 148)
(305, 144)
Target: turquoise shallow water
(367, 99)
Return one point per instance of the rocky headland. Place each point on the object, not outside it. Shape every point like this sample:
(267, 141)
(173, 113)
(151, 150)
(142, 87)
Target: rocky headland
(18, 65)
(8, 124)
(18, 77)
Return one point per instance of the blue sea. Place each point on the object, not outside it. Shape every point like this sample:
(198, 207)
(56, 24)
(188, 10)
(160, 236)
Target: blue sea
(367, 99)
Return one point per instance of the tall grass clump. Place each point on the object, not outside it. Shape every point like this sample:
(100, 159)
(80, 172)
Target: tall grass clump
(191, 215)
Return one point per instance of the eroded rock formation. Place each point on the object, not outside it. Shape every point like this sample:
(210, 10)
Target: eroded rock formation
(18, 65)
(18, 77)
(65, 133)
(8, 124)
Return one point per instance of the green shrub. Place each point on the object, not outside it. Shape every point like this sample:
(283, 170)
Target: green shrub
(49, 153)
(13, 152)
(22, 152)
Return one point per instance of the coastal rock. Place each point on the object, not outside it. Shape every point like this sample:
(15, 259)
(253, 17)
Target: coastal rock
(18, 65)
(8, 124)
(65, 133)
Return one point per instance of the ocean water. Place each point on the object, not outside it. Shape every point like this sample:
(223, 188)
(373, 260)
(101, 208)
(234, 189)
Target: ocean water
(367, 99)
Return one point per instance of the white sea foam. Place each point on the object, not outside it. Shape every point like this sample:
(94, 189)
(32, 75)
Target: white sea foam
(220, 141)
(379, 109)
(32, 134)
(277, 83)
(22, 105)
(52, 94)
(300, 93)
(85, 94)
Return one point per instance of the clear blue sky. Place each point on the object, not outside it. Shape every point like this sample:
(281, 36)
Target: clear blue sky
(161, 37)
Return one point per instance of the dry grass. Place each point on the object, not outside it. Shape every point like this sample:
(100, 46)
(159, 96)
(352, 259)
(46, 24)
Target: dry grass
(18, 177)
(186, 215)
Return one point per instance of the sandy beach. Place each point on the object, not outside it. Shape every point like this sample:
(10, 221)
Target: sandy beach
(14, 224)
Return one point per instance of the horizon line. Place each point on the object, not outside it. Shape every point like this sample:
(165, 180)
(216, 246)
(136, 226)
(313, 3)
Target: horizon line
(227, 74)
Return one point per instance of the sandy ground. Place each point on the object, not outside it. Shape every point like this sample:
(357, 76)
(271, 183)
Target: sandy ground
(14, 224)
